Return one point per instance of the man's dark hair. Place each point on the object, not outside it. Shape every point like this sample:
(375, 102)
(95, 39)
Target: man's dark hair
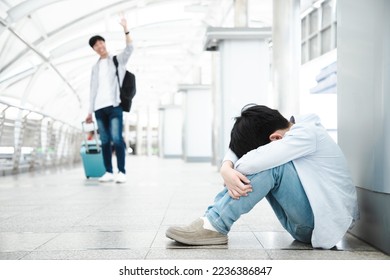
(94, 39)
(253, 128)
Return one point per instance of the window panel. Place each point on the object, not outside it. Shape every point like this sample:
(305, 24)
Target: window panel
(304, 57)
(326, 14)
(318, 31)
(313, 18)
(326, 40)
(314, 49)
(303, 28)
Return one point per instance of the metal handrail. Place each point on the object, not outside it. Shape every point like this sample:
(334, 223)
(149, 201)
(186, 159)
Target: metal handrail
(28, 143)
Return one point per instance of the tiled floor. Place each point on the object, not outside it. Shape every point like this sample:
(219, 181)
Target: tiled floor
(59, 214)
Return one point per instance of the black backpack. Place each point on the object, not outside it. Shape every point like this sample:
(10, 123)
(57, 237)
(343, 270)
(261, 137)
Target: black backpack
(128, 89)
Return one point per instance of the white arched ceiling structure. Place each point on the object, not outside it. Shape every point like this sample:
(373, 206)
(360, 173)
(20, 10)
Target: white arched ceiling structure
(45, 59)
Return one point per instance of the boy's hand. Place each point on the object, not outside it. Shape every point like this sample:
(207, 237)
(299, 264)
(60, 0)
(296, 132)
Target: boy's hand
(123, 21)
(237, 184)
(88, 119)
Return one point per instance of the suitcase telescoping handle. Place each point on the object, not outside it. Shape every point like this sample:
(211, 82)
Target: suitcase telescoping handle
(85, 136)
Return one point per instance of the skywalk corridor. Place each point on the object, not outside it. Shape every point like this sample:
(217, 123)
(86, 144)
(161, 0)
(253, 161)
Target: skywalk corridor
(59, 214)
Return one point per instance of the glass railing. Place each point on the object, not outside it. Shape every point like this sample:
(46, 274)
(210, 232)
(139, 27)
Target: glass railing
(30, 140)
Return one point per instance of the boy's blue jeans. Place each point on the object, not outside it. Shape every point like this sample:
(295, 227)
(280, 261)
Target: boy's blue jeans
(283, 190)
(110, 122)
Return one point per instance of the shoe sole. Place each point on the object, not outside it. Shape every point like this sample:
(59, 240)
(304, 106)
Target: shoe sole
(209, 241)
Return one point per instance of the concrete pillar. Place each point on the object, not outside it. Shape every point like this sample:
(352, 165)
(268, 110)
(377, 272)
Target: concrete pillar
(197, 123)
(364, 111)
(149, 133)
(170, 133)
(286, 58)
(139, 134)
(215, 101)
(242, 76)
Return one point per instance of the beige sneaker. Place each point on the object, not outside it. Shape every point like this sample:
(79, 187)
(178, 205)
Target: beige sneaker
(195, 234)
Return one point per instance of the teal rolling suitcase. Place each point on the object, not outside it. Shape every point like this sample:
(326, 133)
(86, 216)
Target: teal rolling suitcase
(91, 154)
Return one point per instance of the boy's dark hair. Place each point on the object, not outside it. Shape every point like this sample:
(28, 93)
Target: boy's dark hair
(94, 39)
(253, 128)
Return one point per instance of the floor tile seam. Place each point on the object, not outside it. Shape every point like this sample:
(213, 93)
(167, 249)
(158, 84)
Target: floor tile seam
(24, 256)
(148, 253)
(90, 249)
(43, 244)
(36, 248)
(166, 209)
(161, 225)
(262, 245)
(324, 254)
(155, 235)
(351, 250)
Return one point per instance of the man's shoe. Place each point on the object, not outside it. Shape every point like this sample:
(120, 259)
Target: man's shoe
(195, 234)
(120, 178)
(107, 177)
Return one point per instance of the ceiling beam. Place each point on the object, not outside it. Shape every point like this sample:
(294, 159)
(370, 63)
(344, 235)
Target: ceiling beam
(27, 7)
(43, 57)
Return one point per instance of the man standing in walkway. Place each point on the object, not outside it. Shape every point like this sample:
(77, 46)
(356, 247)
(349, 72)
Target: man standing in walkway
(105, 102)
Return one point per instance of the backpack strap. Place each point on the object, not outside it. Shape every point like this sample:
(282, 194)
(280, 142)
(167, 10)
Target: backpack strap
(117, 74)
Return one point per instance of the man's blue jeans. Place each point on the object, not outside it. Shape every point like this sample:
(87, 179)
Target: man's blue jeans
(283, 190)
(110, 122)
